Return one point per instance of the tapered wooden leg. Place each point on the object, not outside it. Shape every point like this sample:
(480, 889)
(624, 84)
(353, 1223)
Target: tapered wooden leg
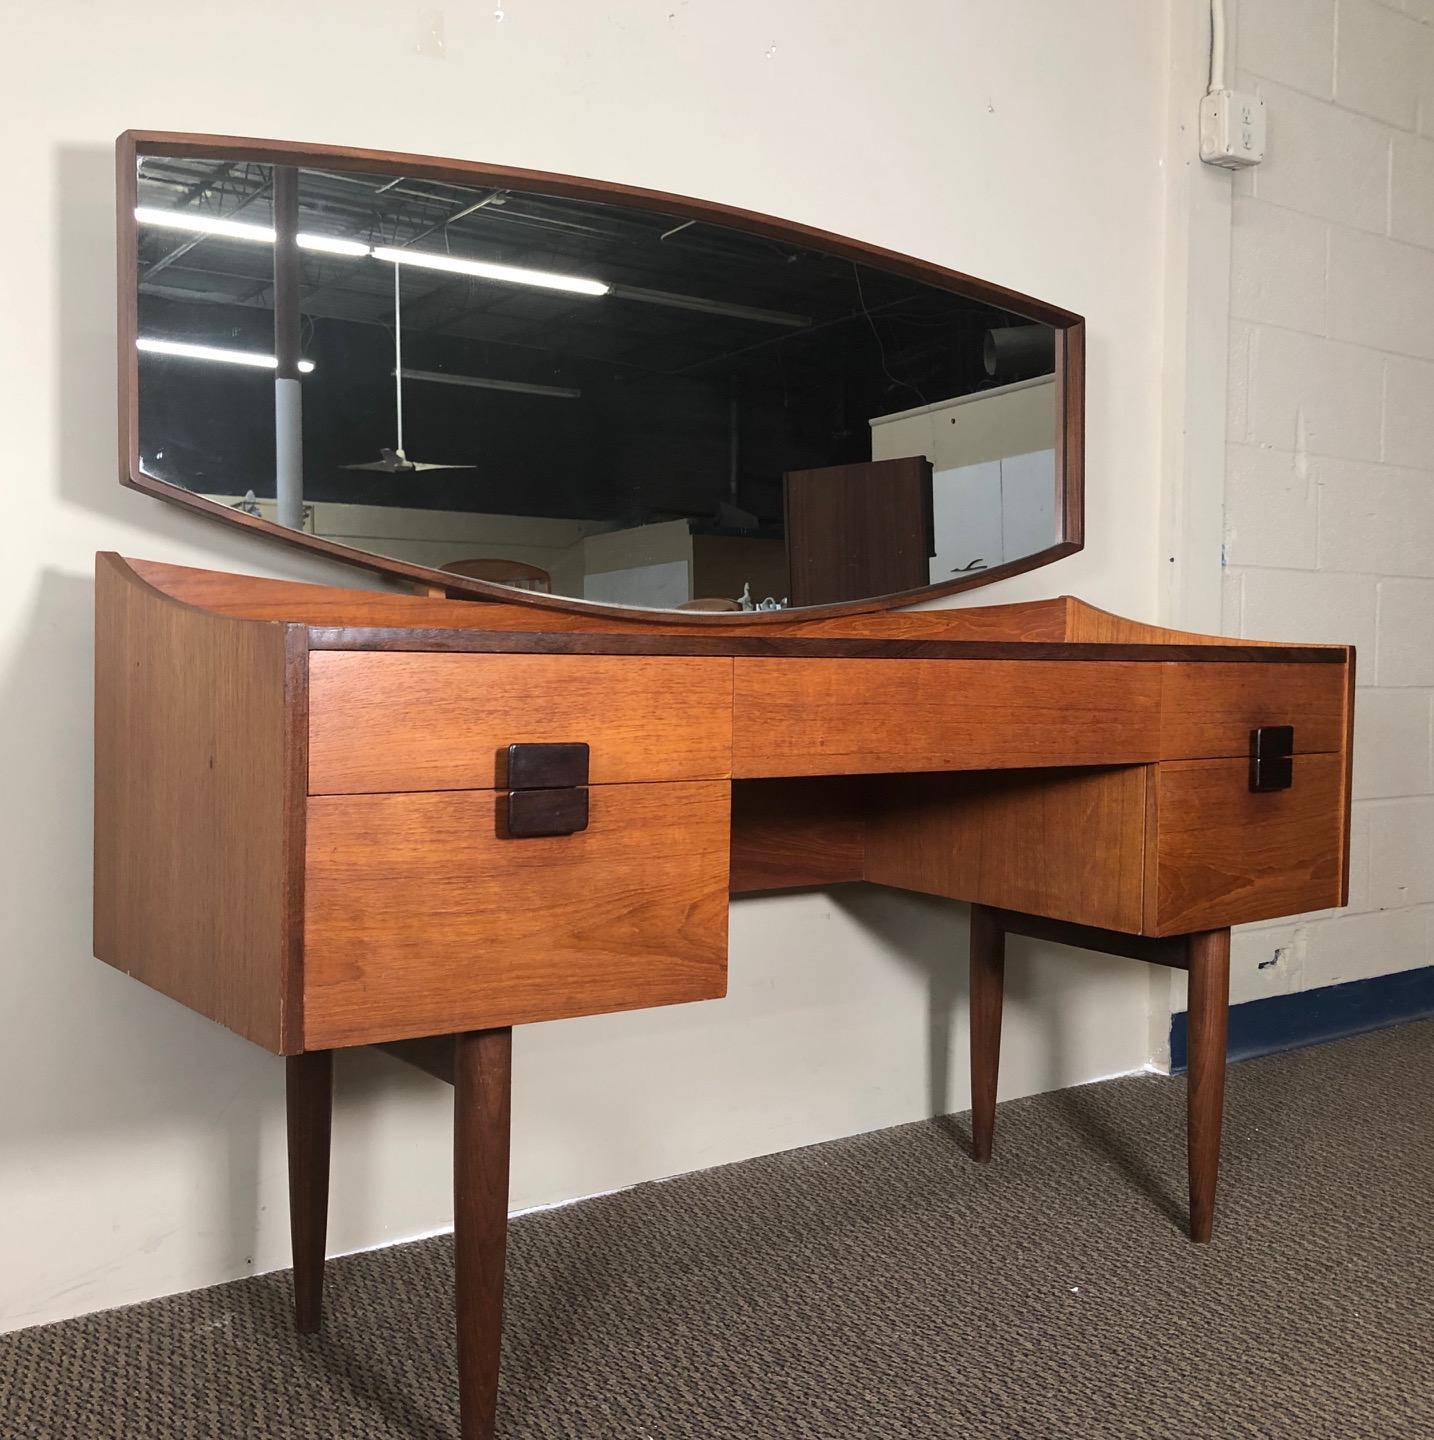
(1208, 1020)
(310, 1102)
(482, 1064)
(988, 978)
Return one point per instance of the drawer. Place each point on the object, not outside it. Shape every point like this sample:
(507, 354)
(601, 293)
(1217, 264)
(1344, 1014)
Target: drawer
(1210, 709)
(838, 717)
(1221, 855)
(420, 920)
(384, 721)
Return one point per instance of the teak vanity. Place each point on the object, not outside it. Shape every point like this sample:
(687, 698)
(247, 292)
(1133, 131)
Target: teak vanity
(330, 817)
(306, 826)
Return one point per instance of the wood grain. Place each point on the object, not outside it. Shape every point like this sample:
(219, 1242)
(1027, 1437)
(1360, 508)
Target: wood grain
(309, 1108)
(1208, 1024)
(1220, 855)
(1208, 711)
(1062, 618)
(399, 721)
(1168, 950)
(1086, 623)
(199, 757)
(824, 717)
(1346, 788)
(1069, 844)
(482, 1120)
(988, 981)
(788, 834)
(420, 920)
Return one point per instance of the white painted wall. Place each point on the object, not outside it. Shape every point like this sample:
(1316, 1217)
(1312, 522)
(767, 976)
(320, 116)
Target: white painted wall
(1330, 490)
(140, 1146)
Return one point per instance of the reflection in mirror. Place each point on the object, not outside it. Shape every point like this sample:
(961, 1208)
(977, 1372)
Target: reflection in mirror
(580, 397)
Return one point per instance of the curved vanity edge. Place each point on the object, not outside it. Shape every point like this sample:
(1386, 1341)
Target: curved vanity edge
(1087, 622)
(1063, 627)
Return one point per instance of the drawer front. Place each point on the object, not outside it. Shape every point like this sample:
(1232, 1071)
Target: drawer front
(1209, 710)
(421, 920)
(835, 717)
(381, 722)
(1225, 856)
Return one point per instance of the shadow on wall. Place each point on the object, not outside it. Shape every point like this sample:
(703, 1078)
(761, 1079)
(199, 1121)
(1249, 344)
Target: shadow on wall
(94, 1063)
(942, 953)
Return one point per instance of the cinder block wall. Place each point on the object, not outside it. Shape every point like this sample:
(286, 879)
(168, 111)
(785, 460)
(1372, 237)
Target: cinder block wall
(1330, 480)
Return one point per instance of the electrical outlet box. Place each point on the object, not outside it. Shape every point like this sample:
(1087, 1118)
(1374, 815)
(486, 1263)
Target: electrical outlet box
(1232, 129)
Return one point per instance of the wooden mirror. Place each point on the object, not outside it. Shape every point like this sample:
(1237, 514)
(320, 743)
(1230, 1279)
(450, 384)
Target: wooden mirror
(506, 384)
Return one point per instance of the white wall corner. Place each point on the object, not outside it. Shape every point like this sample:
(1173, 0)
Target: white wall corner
(1197, 334)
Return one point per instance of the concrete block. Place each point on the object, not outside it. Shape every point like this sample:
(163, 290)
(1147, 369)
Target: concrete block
(1379, 54)
(1355, 947)
(1302, 605)
(1381, 293)
(1277, 266)
(1404, 637)
(1409, 412)
(1359, 854)
(1313, 396)
(1271, 509)
(1391, 746)
(1411, 190)
(1291, 41)
(1266, 960)
(1237, 381)
(1401, 853)
(1375, 519)
(1324, 161)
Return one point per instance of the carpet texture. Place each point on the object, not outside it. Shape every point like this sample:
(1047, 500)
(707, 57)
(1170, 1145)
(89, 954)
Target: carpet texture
(883, 1286)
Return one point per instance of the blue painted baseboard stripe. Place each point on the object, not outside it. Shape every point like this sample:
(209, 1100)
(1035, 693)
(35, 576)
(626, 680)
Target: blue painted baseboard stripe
(1285, 1022)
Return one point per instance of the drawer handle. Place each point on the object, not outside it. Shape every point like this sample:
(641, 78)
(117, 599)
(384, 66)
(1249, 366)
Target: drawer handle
(547, 790)
(1272, 762)
(532, 813)
(547, 767)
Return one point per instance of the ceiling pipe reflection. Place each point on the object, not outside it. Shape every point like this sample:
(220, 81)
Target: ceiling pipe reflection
(483, 382)
(1019, 352)
(288, 393)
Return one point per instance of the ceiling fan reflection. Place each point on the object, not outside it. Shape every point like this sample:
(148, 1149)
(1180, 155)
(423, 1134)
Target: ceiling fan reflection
(394, 461)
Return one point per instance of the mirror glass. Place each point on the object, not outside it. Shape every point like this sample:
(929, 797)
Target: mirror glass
(579, 397)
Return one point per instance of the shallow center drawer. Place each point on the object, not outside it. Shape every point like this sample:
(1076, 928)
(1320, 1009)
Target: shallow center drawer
(420, 918)
(381, 721)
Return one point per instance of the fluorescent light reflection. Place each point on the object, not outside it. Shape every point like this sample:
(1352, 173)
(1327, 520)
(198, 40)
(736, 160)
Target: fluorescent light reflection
(486, 270)
(181, 348)
(197, 224)
(331, 244)
(193, 223)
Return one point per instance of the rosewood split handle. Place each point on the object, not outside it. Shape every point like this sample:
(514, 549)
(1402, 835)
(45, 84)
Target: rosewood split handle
(547, 790)
(1272, 758)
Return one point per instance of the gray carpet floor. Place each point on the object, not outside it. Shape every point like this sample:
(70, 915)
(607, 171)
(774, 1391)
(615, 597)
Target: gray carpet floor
(882, 1286)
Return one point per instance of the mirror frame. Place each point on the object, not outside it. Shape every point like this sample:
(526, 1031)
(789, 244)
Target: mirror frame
(1069, 362)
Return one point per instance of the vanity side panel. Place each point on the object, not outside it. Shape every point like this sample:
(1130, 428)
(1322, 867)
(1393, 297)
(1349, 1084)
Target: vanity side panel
(199, 760)
(1067, 844)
